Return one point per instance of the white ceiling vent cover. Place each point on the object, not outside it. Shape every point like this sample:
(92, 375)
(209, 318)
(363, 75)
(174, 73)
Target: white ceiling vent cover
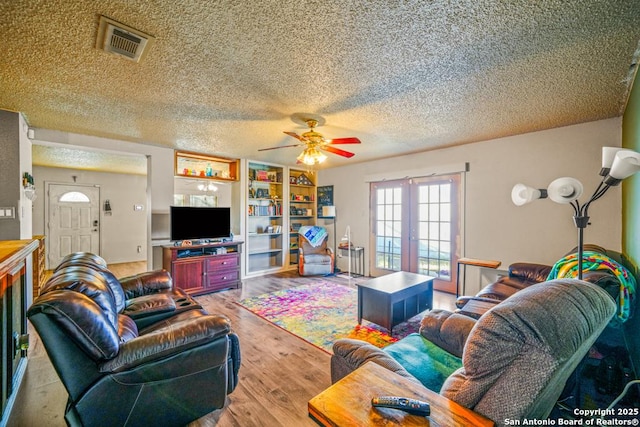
(122, 40)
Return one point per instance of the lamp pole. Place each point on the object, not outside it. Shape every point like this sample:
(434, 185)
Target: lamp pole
(581, 219)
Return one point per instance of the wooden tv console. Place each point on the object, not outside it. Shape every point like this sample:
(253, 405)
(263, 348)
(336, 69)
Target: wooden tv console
(199, 269)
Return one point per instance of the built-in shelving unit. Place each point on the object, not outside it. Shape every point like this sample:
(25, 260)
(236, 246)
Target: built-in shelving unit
(302, 207)
(203, 166)
(265, 218)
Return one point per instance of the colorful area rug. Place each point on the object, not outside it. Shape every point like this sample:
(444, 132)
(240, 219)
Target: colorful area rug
(323, 312)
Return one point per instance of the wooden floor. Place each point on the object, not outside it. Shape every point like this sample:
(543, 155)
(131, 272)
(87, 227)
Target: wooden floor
(279, 374)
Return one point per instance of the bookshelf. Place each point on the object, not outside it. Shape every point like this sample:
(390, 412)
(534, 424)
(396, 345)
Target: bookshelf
(302, 207)
(265, 214)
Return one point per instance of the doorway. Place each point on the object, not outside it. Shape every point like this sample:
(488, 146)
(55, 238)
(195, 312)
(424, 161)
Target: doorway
(416, 227)
(73, 220)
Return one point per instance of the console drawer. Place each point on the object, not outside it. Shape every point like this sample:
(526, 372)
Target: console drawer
(222, 262)
(221, 279)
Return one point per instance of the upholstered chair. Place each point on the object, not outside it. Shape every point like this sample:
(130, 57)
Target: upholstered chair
(314, 260)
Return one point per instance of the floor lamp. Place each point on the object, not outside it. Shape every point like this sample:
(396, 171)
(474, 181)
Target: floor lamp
(330, 212)
(347, 238)
(617, 165)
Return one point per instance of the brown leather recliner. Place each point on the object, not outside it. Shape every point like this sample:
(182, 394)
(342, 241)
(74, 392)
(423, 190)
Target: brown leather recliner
(523, 274)
(146, 297)
(119, 372)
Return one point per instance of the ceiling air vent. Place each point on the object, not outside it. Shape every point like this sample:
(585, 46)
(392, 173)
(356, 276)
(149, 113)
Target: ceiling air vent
(122, 40)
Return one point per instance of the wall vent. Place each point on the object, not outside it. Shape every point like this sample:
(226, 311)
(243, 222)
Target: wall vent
(122, 40)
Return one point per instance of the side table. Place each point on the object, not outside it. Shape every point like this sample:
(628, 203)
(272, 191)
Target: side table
(475, 262)
(357, 259)
(348, 402)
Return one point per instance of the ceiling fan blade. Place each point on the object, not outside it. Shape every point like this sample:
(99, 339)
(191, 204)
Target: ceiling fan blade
(295, 135)
(283, 146)
(351, 140)
(337, 151)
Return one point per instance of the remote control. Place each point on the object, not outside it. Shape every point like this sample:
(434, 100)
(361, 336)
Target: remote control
(410, 406)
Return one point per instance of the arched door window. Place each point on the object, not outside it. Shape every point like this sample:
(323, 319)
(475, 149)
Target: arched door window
(74, 197)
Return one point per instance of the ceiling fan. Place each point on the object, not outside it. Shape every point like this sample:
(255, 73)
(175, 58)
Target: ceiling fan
(315, 142)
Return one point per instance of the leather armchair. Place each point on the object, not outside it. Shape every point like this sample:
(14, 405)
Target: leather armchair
(319, 260)
(168, 372)
(146, 297)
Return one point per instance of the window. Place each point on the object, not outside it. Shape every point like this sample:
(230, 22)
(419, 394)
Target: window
(74, 197)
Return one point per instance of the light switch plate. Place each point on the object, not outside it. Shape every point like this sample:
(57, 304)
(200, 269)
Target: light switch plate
(7, 212)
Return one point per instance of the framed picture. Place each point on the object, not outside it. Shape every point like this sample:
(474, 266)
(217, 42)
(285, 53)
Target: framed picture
(260, 193)
(325, 198)
(293, 210)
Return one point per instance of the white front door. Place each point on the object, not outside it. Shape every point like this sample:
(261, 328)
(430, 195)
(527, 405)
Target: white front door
(73, 221)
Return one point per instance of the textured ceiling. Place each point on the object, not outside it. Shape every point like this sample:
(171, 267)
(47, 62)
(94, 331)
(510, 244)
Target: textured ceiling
(226, 77)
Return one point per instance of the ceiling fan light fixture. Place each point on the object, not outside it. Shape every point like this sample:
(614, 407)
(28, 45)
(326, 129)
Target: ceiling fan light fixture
(311, 156)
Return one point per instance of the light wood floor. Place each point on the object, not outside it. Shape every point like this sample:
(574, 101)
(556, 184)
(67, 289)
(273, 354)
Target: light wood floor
(279, 374)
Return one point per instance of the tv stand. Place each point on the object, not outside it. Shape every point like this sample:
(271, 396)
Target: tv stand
(200, 269)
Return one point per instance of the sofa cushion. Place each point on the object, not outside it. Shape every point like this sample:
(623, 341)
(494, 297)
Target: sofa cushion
(350, 354)
(447, 330)
(317, 259)
(82, 320)
(127, 328)
(424, 360)
(89, 284)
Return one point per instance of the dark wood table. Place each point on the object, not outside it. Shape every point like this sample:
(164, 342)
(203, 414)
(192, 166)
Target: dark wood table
(348, 403)
(392, 299)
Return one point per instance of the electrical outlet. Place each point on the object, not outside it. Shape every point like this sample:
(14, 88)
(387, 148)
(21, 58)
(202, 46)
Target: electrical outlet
(139, 249)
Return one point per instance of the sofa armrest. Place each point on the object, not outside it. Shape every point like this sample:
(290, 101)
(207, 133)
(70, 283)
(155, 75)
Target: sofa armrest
(173, 339)
(605, 280)
(146, 283)
(349, 355)
(447, 330)
(530, 271)
(149, 305)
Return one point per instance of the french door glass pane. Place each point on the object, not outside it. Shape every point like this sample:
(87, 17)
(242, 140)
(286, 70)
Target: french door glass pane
(389, 228)
(434, 230)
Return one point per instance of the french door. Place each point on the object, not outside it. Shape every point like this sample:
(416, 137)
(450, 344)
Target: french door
(416, 227)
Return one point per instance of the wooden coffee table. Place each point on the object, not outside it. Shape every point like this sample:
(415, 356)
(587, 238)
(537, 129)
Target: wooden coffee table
(348, 402)
(392, 299)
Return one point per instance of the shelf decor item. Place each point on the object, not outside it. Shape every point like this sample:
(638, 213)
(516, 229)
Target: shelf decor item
(188, 164)
(303, 180)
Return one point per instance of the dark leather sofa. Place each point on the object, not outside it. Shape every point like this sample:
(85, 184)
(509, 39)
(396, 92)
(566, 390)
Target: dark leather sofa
(132, 352)
(521, 275)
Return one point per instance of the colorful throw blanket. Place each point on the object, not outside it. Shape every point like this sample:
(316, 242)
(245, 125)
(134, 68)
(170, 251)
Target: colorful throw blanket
(314, 234)
(567, 267)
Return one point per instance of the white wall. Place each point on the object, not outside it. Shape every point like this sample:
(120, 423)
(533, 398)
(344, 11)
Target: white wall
(161, 159)
(160, 173)
(25, 205)
(121, 232)
(495, 228)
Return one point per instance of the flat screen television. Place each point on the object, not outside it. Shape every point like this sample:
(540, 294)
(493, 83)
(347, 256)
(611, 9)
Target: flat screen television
(191, 223)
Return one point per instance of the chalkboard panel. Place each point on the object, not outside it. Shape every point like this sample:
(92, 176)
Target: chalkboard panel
(325, 198)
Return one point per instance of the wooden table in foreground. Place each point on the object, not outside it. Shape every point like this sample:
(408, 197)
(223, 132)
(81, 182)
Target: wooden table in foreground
(348, 403)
